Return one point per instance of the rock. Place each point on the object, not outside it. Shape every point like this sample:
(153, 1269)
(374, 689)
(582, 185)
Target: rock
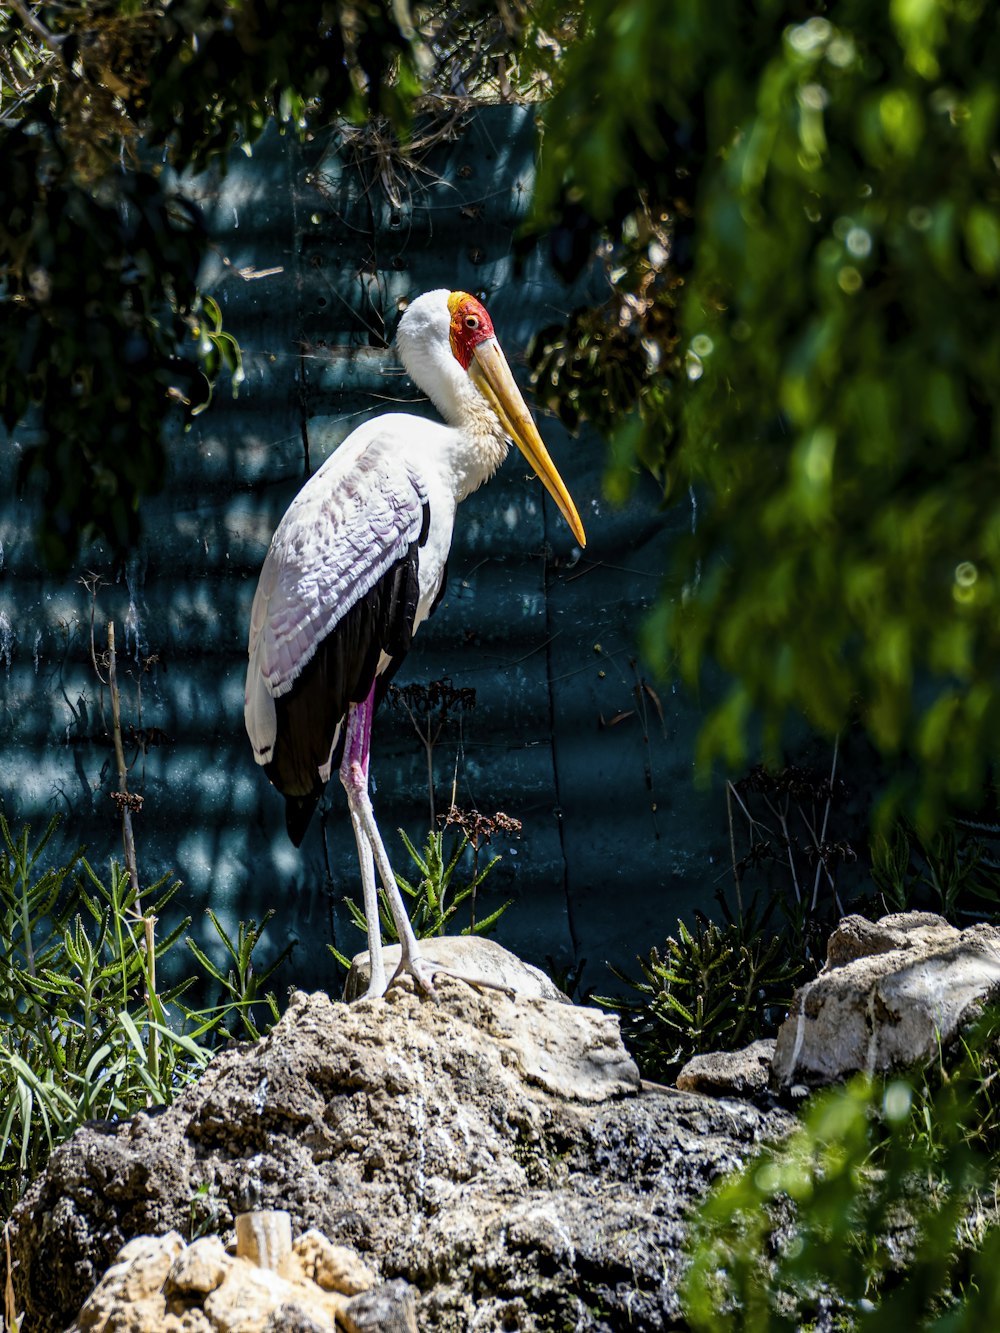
(131, 1289)
(332, 1267)
(264, 1236)
(142, 1264)
(206, 1290)
(471, 956)
(249, 1296)
(745, 1073)
(386, 1309)
(890, 992)
(198, 1269)
(495, 1154)
(857, 937)
(293, 1319)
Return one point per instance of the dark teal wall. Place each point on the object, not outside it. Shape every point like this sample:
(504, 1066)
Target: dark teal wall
(309, 261)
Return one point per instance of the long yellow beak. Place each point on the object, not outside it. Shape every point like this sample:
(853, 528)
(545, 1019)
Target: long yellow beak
(492, 376)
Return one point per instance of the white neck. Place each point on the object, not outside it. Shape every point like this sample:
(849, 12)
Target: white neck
(479, 444)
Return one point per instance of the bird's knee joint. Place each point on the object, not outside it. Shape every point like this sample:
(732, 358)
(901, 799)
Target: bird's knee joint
(354, 778)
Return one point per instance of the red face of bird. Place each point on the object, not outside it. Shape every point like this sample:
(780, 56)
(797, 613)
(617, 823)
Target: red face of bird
(475, 347)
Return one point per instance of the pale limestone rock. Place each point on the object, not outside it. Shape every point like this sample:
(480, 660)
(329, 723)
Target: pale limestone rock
(332, 1267)
(471, 956)
(198, 1269)
(106, 1313)
(143, 1263)
(134, 1280)
(149, 1250)
(159, 1285)
(891, 994)
(572, 1052)
(264, 1237)
(249, 1295)
(857, 937)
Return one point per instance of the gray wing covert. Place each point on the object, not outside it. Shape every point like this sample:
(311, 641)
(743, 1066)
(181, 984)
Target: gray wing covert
(339, 589)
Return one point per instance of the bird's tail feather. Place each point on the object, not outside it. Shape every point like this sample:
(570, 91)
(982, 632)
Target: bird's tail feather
(298, 812)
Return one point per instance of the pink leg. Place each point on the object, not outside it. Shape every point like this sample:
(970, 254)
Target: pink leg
(354, 776)
(357, 742)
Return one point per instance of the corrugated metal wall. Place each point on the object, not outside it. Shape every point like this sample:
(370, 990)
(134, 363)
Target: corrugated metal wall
(311, 256)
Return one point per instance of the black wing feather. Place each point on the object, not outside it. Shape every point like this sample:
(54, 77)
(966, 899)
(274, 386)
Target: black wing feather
(342, 671)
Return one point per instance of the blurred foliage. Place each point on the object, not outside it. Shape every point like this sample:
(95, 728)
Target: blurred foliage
(877, 1213)
(829, 176)
(954, 871)
(95, 290)
(104, 329)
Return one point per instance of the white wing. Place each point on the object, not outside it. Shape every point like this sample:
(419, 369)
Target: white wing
(351, 522)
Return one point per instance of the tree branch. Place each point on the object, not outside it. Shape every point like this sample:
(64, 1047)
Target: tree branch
(37, 28)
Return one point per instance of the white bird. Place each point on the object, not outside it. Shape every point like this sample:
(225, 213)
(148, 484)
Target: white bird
(358, 562)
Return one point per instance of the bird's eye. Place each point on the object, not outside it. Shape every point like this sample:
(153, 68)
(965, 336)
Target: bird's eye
(472, 321)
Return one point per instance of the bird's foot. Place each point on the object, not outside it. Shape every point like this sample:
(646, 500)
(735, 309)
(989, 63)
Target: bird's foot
(423, 970)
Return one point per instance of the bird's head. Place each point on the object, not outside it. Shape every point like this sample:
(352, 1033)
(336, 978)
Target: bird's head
(441, 322)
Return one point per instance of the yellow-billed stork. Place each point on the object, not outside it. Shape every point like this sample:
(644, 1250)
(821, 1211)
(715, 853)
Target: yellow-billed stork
(359, 561)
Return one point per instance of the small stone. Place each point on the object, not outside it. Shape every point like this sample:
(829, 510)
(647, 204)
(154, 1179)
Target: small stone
(389, 1308)
(146, 1316)
(244, 1301)
(136, 1275)
(146, 1262)
(857, 937)
(470, 956)
(743, 1073)
(199, 1269)
(150, 1248)
(293, 1319)
(332, 1267)
(264, 1236)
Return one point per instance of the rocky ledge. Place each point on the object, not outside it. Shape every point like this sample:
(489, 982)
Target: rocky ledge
(498, 1154)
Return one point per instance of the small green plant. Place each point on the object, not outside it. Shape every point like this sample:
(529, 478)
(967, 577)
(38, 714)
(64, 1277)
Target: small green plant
(206, 1209)
(713, 988)
(433, 902)
(218, 350)
(86, 1031)
(242, 987)
(958, 1095)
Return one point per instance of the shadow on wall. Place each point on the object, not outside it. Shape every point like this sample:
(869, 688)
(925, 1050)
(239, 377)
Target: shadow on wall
(563, 729)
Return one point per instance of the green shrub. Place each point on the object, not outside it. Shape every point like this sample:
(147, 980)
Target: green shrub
(713, 988)
(880, 1208)
(86, 1031)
